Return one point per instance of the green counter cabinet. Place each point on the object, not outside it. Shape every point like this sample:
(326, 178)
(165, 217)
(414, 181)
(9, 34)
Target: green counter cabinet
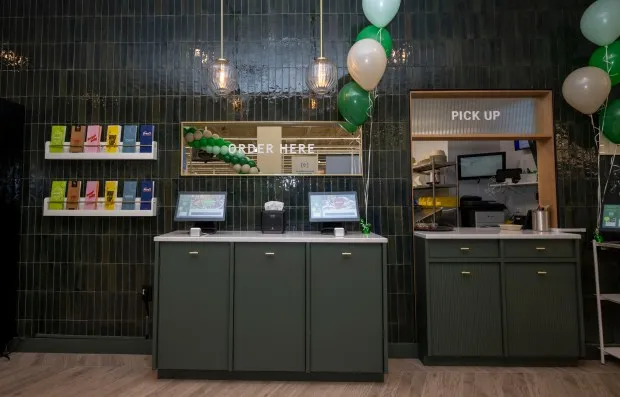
(265, 307)
(269, 307)
(193, 306)
(499, 301)
(346, 308)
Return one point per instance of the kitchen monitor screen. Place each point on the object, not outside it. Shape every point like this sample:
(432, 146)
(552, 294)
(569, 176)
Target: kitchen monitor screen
(334, 207)
(201, 207)
(483, 165)
(611, 217)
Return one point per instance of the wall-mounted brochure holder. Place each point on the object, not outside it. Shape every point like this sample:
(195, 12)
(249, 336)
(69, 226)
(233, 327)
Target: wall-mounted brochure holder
(84, 208)
(100, 153)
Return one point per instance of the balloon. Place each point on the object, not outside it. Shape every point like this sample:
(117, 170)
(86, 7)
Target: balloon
(353, 103)
(209, 149)
(380, 12)
(216, 150)
(240, 153)
(366, 63)
(189, 137)
(224, 149)
(219, 142)
(245, 168)
(348, 127)
(611, 121)
(234, 159)
(608, 60)
(237, 168)
(586, 89)
(210, 141)
(253, 170)
(216, 136)
(379, 34)
(244, 160)
(251, 163)
(227, 157)
(600, 22)
(203, 142)
(198, 135)
(207, 133)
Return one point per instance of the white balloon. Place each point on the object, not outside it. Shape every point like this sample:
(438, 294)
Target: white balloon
(380, 12)
(366, 63)
(189, 137)
(586, 89)
(207, 133)
(253, 170)
(197, 135)
(215, 136)
(245, 168)
(216, 150)
(209, 149)
(237, 168)
(224, 150)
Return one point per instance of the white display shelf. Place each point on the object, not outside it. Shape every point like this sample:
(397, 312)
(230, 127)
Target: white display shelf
(613, 351)
(615, 298)
(101, 211)
(101, 154)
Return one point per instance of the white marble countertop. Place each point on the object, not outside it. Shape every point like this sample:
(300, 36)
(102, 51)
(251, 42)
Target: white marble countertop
(259, 237)
(490, 233)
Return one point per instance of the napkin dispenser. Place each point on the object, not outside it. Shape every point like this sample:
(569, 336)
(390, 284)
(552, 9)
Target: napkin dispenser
(272, 218)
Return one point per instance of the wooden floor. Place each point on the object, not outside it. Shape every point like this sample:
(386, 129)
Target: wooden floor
(66, 375)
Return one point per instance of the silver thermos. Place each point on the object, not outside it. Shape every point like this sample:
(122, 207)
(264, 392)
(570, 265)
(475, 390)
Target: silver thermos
(540, 219)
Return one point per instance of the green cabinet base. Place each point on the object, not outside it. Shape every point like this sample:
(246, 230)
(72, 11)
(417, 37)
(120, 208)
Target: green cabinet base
(271, 376)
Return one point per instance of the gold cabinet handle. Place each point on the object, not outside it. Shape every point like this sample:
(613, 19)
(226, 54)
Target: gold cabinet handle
(193, 252)
(541, 273)
(540, 248)
(269, 253)
(464, 249)
(466, 273)
(346, 254)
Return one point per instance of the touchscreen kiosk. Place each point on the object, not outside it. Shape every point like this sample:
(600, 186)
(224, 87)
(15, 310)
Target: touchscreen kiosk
(203, 209)
(332, 209)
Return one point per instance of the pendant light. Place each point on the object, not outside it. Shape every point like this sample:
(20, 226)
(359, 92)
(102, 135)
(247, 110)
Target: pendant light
(222, 75)
(322, 74)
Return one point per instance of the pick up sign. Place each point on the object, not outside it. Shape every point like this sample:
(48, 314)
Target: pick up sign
(442, 116)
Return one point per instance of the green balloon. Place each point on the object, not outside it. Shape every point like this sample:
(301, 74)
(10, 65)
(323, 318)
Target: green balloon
(348, 127)
(379, 34)
(251, 163)
(611, 121)
(211, 141)
(227, 157)
(224, 149)
(244, 160)
(203, 142)
(194, 144)
(608, 60)
(219, 142)
(188, 130)
(354, 103)
(240, 153)
(209, 149)
(234, 159)
(216, 150)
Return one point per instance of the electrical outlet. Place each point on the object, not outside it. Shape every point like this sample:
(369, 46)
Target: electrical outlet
(147, 293)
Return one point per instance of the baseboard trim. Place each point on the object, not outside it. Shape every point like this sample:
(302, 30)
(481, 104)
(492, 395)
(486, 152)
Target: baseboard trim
(85, 344)
(403, 350)
(271, 376)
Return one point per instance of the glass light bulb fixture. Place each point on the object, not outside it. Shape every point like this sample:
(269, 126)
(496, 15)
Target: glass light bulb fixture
(322, 76)
(222, 77)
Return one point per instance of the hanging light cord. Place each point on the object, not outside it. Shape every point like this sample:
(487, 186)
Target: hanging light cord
(321, 23)
(222, 29)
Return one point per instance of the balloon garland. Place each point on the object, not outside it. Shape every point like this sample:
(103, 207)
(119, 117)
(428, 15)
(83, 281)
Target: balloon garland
(587, 89)
(219, 149)
(366, 63)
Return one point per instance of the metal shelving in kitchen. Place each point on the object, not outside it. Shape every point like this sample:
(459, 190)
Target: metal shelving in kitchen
(614, 298)
(433, 168)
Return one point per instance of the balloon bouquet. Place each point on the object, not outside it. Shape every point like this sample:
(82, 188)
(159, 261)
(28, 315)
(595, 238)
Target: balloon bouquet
(366, 63)
(587, 89)
(217, 148)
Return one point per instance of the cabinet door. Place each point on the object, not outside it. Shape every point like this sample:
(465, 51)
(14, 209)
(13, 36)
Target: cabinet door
(542, 310)
(269, 307)
(346, 308)
(464, 311)
(193, 306)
